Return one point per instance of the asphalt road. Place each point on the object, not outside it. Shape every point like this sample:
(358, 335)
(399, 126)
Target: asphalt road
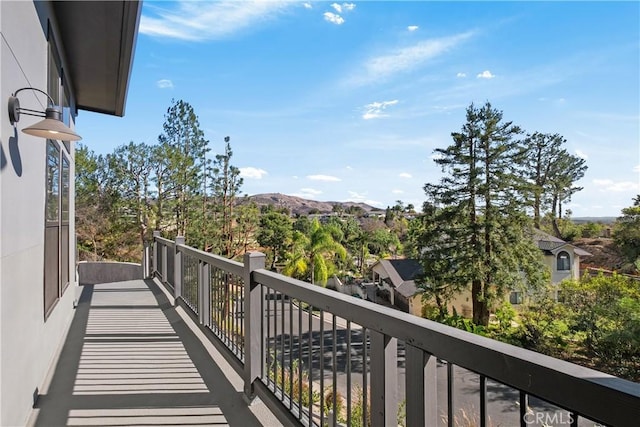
(287, 334)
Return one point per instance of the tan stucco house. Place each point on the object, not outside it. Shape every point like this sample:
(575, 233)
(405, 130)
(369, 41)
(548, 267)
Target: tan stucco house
(396, 277)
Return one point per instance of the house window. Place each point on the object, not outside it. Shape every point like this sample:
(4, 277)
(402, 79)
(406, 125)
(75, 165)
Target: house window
(515, 297)
(564, 261)
(65, 181)
(52, 229)
(57, 203)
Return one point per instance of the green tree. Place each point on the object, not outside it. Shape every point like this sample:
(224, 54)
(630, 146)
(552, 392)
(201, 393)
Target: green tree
(226, 183)
(162, 155)
(478, 233)
(302, 224)
(312, 256)
(186, 151)
(106, 225)
(626, 231)
(542, 153)
(605, 313)
(566, 171)
(274, 234)
(132, 168)
(92, 204)
(246, 225)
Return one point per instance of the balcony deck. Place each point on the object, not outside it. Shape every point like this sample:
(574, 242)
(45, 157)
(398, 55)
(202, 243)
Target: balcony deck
(132, 358)
(187, 348)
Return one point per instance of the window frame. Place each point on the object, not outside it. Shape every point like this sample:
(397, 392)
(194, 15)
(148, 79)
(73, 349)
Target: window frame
(58, 167)
(516, 297)
(563, 261)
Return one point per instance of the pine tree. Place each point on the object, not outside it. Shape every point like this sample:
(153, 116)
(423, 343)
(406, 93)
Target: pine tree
(475, 231)
(226, 183)
(186, 148)
(544, 150)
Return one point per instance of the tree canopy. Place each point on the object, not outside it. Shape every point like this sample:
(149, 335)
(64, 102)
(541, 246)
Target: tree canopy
(475, 231)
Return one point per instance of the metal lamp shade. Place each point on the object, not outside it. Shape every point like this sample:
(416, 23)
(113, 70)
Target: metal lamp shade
(52, 128)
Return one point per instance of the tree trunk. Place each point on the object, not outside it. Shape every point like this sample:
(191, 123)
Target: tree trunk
(554, 217)
(480, 306)
(536, 210)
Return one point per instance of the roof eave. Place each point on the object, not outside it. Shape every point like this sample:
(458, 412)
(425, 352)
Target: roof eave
(99, 38)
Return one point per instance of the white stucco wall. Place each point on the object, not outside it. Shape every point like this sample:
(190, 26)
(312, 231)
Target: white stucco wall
(28, 343)
(558, 276)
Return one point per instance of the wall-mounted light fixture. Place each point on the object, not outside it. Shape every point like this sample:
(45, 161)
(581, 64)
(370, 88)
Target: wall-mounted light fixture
(51, 127)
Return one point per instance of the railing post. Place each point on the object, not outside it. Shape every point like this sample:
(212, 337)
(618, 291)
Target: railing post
(253, 319)
(384, 374)
(177, 268)
(163, 254)
(421, 387)
(155, 252)
(204, 294)
(146, 261)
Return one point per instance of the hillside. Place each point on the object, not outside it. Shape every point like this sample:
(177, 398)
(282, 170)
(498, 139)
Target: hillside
(604, 253)
(298, 205)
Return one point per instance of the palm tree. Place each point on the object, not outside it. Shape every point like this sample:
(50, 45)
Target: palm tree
(314, 253)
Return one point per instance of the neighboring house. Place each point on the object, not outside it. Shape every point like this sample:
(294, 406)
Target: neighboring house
(395, 277)
(562, 259)
(80, 53)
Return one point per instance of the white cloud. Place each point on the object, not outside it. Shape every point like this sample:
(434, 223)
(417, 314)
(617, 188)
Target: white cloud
(348, 6)
(333, 18)
(354, 196)
(252, 173)
(326, 178)
(198, 21)
(375, 110)
(307, 5)
(637, 168)
(405, 175)
(461, 75)
(486, 74)
(349, 168)
(397, 191)
(616, 186)
(165, 84)
(582, 154)
(406, 58)
(337, 7)
(412, 27)
(555, 101)
(307, 193)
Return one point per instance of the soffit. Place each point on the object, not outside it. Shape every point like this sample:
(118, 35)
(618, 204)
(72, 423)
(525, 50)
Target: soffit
(99, 40)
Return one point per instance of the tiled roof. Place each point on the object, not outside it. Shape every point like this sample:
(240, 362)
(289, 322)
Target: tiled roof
(546, 242)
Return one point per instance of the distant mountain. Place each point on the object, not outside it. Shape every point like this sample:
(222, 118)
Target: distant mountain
(298, 205)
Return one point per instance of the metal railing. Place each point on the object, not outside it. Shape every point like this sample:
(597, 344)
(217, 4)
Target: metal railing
(163, 259)
(332, 359)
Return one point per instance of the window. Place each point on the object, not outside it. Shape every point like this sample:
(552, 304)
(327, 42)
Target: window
(564, 261)
(64, 224)
(51, 231)
(57, 203)
(515, 297)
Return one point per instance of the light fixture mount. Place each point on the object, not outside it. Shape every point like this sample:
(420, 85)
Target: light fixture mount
(51, 127)
(14, 110)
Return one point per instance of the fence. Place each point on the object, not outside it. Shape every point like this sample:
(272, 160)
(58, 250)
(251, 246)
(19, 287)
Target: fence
(332, 359)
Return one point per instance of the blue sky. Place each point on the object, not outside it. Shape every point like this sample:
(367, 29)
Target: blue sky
(347, 101)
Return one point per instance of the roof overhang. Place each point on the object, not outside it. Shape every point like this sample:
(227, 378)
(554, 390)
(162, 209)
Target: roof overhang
(99, 39)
